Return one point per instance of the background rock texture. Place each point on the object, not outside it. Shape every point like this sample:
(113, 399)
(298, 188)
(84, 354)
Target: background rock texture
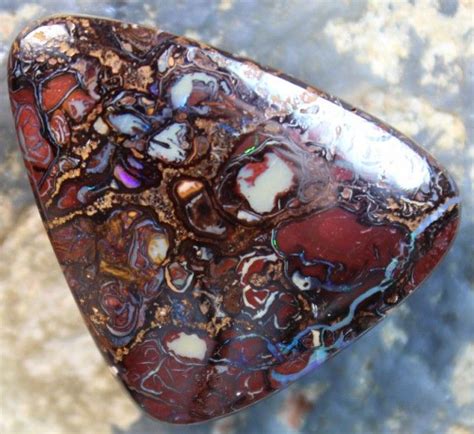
(410, 63)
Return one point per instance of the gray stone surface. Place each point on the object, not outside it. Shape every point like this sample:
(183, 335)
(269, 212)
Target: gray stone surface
(410, 63)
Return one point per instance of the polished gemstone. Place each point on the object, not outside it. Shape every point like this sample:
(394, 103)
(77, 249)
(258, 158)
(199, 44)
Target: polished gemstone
(223, 228)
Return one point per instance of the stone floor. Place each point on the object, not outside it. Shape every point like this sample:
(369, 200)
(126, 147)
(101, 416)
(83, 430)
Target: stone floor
(410, 63)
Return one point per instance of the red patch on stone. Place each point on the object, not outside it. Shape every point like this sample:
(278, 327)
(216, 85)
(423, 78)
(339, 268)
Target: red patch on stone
(78, 104)
(336, 236)
(55, 89)
(438, 249)
(68, 197)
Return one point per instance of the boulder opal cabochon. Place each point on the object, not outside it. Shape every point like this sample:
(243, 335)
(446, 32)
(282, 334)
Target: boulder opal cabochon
(223, 228)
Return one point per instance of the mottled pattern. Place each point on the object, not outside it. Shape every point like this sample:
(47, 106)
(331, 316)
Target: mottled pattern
(224, 229)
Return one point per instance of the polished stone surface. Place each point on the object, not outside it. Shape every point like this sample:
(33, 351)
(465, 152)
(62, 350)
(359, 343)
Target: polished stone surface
(427, 340)
(224, 229)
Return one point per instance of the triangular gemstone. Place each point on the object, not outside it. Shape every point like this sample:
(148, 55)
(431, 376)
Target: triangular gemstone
(223, 228)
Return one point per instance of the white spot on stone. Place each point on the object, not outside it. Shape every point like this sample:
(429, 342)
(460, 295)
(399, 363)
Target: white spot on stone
(301, 281)
(170, 144)
(204, 253)
(316, 338)
(158, 248)
(128, 124)
(190, 346)
(100, 126)
(38, 37)
(247, 216)
(261, 189)
(164, 60)
(183, 88)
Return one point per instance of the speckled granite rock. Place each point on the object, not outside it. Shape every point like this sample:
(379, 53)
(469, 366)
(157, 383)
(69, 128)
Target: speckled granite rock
(411, 63)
